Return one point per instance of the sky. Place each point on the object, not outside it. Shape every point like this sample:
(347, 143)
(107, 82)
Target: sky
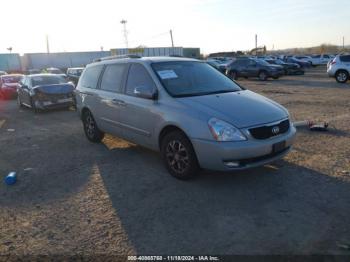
(211, 25)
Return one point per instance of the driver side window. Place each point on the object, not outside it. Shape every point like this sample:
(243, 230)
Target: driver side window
(138, 76)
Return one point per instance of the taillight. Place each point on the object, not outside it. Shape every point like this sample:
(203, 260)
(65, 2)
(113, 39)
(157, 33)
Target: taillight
(333, 62)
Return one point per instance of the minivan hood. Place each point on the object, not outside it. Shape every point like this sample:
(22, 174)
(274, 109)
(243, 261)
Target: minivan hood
(242, 109)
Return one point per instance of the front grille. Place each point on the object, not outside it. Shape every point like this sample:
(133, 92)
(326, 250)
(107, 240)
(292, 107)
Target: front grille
(264, 132)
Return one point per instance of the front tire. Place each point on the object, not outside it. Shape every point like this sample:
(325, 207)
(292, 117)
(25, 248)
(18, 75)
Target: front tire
(341, 76)
(179, 156)
(19, 102)
(32, 104)
(262, 76)
(92, 132)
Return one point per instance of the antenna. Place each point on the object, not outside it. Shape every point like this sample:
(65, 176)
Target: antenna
(125, 32)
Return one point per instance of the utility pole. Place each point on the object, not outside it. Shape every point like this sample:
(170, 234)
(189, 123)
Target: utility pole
(343, 43)
(125, 32)
(172, 40)
(256, 44)
(47, 44)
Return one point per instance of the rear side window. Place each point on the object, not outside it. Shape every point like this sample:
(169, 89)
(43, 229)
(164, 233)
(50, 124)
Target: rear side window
(112, 78)
(90, 77)
(138, 76)
(345, 58)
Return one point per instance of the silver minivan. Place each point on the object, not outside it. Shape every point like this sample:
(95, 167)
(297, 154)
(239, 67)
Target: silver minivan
(184, 108)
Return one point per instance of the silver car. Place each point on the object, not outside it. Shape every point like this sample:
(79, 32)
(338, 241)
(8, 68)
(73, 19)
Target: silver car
(184, 108)
(339, 68)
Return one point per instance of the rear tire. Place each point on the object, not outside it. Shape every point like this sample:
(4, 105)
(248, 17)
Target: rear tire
(342, 76)
(262, 76)
(92, 132)
(179, 156)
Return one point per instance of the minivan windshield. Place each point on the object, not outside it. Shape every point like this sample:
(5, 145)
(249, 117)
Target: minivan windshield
(192, 78)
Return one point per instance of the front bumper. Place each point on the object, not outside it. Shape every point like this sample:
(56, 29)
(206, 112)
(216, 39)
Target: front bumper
(251, 153)
(8, 92)
(53, 104)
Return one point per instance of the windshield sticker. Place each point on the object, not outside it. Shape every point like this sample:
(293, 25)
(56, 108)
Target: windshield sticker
(167, 74)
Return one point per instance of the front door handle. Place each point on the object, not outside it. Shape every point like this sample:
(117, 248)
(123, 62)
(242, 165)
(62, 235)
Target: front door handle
(118, 102)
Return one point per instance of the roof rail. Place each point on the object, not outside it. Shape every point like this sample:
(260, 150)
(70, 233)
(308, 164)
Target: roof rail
(116, 57)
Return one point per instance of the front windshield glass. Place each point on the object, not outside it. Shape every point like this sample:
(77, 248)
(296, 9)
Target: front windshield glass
(192, 78)
(47, 80)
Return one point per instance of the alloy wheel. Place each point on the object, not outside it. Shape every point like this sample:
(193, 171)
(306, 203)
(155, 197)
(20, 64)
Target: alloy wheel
(177, 156)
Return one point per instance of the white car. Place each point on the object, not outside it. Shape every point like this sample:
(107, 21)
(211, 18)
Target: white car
(339, 68)
(320, 59)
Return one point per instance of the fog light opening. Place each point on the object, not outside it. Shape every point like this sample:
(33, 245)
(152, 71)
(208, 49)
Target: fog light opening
(232, 164)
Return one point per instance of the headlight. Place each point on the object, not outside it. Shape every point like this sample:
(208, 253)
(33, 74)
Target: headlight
(223, 131)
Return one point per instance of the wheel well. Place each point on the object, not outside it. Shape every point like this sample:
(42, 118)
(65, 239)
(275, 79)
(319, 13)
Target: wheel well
(166, 130)
(342, 70)
(85, 109)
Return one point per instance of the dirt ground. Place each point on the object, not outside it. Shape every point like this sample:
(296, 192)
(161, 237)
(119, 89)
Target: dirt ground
(76, 197)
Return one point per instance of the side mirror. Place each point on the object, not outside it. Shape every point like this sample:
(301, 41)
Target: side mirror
(145, 91)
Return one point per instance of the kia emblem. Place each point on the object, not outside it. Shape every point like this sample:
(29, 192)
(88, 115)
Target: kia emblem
(275, 130)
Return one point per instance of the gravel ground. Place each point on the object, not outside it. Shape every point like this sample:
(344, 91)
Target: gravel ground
(77, 198)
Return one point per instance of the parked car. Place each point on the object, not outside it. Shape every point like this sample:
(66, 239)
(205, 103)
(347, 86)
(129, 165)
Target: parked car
(3, 73)
(289, 68)
(248, 67)
(304, 58)
(33, 71)
(320, 59)
(45, 91)
(184, 108)
(220, 67)
(9, 84)
(73, 74)
(53, 70)
(339, 68)
(303, 64)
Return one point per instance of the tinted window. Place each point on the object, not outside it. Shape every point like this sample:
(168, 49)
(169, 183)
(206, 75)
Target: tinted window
(112, 78)
(138, 76)
(345, 58)
(191, 78)
(241, 62)
(326, 56)
(90, 77)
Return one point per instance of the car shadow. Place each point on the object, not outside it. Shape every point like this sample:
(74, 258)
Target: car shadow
(276, 209)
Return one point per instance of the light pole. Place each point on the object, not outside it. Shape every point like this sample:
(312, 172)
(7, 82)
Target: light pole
(125, 32)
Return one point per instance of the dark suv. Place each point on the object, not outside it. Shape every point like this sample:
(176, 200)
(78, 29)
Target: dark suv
(249, 67)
